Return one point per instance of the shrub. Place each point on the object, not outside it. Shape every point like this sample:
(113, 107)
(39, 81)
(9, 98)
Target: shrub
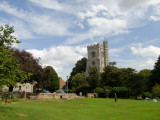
(100, 92)
(147, 94)
(122, 92)
(156, 90)
(84, 89)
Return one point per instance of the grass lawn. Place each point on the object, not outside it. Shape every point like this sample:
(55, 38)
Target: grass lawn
(80, 109)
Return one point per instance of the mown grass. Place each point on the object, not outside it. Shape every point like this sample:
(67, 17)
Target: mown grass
(80, 109)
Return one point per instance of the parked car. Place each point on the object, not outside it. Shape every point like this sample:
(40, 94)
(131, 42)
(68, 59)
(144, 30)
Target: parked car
(60, 91)
(42, 91)
(16, 91)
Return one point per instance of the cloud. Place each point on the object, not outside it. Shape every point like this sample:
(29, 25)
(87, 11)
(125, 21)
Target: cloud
(150, 51)
(129, 4)
(102, 26)
(62, 58)
(39, 23)
(77, 38)
(61, 18)
(51, 4)
(156, 15)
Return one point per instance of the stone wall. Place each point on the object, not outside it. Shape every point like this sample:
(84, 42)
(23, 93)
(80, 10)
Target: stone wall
(50, 96)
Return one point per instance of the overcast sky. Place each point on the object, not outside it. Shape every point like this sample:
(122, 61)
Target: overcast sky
(58, 31)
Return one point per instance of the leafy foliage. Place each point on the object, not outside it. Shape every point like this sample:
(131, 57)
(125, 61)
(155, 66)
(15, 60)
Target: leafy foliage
(31, 66)
(93, 78)
(78, 81)
(80, 67)
(155, 74)
(10, 71)
(122, 92)
(156, 90)
(6, 37)
(51, 78)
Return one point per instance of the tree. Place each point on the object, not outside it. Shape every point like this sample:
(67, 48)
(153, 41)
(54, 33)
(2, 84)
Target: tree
(80, 67)
(93, 78)
(110, 76)
(31, 66)
(112, 64)
(145, 76)
(155, 74)
(10, 72)
(6, 37)
(156, 90)
(78, 81)
(51, 78)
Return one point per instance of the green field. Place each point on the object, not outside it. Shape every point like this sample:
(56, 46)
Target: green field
(80, 109)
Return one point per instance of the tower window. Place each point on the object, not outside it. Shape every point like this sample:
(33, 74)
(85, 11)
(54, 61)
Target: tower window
(93, 63)
(93, 54)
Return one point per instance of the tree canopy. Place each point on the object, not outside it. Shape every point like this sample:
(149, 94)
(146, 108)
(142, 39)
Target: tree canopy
(155, 74)
(10, 70)
(51, 79)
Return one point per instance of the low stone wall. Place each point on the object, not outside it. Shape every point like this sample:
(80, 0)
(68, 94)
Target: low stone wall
(50, 96)
(30, 95)
(90, 95)
(64, 96)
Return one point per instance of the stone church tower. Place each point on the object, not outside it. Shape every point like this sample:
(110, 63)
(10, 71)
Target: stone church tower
(98, 56)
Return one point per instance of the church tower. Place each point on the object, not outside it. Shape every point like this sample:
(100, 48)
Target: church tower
(98, 56)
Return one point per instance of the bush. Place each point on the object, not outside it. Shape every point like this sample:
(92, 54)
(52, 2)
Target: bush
(122, 92)
(100, 92)
(107, 90)
(84, 89)
(156, 90)
(147, 94)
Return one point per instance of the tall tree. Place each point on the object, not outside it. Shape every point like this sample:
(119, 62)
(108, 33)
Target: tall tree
(6, 37)
(110, 76)
(10, 71)
(31, 66)
(78, 81)
(93, 78)
(80, 67)
(145, 76)
(51, 78)
(155, 74)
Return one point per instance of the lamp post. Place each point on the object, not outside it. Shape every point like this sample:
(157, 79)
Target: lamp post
(67, 84)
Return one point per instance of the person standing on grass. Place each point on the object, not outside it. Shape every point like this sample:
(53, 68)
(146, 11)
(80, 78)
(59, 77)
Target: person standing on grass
(115, 97)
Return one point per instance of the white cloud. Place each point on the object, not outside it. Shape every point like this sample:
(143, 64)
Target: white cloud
(137, 63)
(104, 18)
(77, 38)
(37, 22)
(62, 58)
(150, 51)
(102, 26)
(156, 15)
(51, 4)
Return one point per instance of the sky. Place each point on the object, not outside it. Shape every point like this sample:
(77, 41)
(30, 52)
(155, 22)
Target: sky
(59, 31)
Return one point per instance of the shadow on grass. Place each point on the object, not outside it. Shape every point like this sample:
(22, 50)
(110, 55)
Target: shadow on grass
(5, 108)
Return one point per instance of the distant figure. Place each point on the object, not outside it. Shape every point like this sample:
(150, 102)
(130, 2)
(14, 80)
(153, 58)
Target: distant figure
(80, 94)
(115, 97)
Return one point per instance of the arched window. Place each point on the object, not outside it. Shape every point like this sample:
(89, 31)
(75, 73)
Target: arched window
(93, 54)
